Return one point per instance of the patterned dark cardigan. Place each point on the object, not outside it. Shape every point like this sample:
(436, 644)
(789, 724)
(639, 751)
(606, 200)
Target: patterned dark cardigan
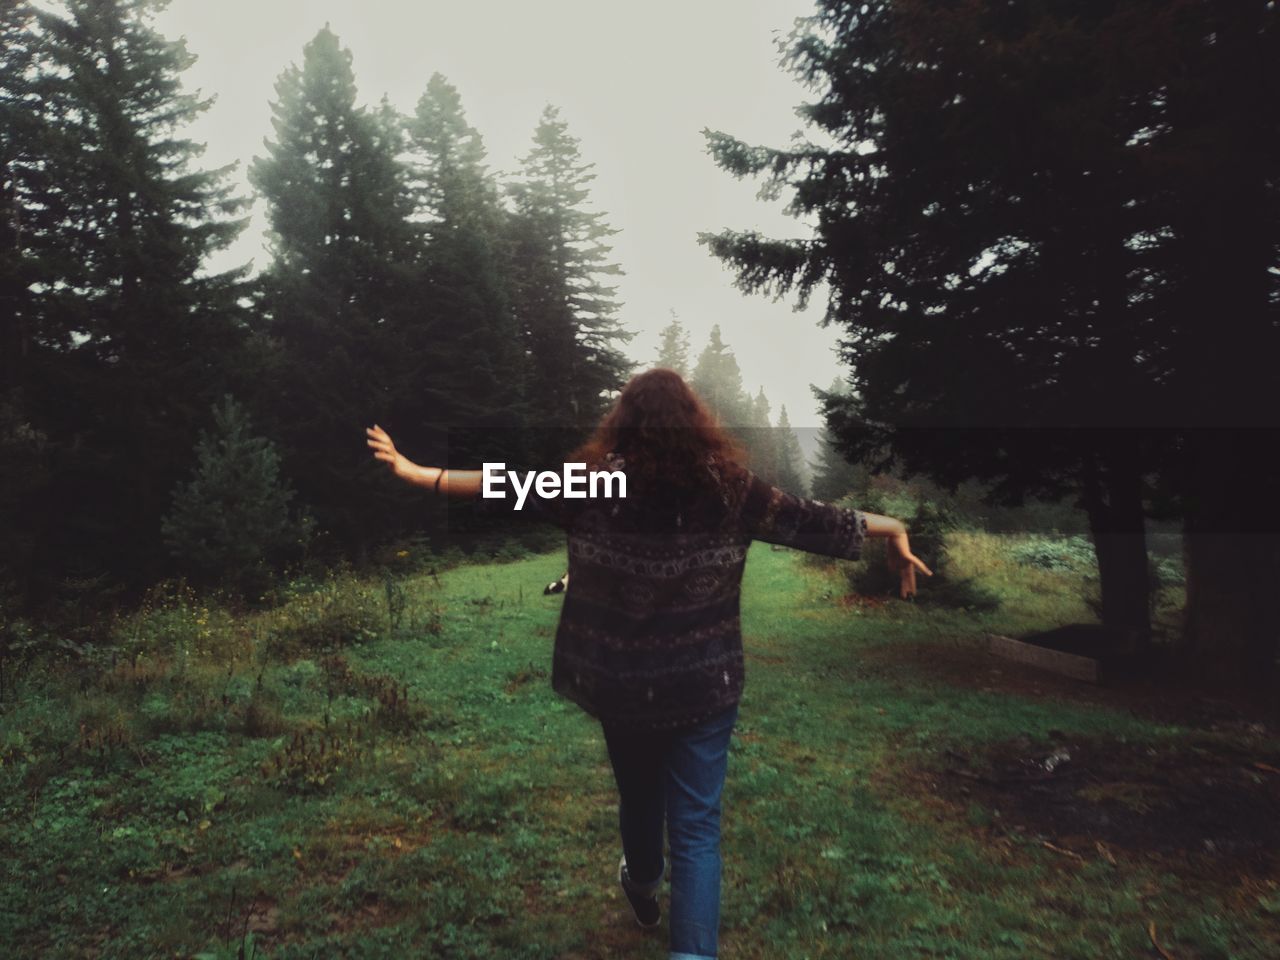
(649, 635)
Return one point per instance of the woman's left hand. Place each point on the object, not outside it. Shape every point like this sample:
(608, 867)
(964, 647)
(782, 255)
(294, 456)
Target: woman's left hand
(386, 451)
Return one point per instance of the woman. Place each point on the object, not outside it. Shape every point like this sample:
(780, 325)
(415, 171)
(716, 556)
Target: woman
(649, 641)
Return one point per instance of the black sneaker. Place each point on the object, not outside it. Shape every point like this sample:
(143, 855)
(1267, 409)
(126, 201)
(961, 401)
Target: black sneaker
(645, 906)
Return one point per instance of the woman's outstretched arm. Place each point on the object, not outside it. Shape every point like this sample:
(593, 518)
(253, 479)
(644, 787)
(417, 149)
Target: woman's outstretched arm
(454, 483)
(773, 515)
(900, 558)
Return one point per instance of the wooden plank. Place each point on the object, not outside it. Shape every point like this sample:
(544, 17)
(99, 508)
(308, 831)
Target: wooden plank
(1066, 664)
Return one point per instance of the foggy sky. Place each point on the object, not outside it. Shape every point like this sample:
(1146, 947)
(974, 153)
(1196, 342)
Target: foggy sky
(636, 83)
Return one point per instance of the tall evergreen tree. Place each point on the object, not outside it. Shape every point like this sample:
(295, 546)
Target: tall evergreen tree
(337, 294)
(566, 310)
(473, 373)
(718, 381)
(968, 223)
(127, 342)
(834, 476)
(760, 439)
(673, 348)
(790, 456)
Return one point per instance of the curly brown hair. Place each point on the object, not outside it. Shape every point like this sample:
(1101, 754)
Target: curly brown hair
(663, 431)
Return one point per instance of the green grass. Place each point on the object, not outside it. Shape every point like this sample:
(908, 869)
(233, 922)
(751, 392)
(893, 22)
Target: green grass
(166, 808)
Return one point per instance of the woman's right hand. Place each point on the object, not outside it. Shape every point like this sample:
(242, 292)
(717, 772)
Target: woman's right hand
(386, 451)
(905, 563)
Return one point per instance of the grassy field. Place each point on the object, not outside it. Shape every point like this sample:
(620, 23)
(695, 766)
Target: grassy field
(380, 769)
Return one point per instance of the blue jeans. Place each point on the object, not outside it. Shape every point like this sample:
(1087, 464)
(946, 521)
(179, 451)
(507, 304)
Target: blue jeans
(680, 773)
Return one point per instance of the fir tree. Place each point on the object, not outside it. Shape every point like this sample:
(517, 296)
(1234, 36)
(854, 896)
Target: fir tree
(338, 294)
(790, 456)
(475, 370)
(338, 201)
(127, 341)
(969, 223)
(718, 381)
(673, 349)
(566, 309)
(833, 475)
(454, 188)
(760, 439)
(231, 521)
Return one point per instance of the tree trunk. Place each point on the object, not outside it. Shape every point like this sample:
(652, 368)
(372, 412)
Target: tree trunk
(1229, 342)
(1231, 545)
(1113, 501)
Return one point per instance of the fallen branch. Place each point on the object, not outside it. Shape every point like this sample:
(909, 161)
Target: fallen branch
(1106, 852)
(1151, 932)
(1064, 852)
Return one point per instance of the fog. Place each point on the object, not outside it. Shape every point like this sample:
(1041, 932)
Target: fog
(635, 82)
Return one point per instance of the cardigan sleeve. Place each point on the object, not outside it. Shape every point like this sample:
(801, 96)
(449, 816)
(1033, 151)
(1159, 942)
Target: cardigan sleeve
(775, 516)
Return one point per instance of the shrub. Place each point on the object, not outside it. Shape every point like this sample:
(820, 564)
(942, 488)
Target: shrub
(231, 523)
(509, 551)
(1056, 553)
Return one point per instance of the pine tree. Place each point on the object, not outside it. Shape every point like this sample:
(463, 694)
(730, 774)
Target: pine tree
(566, 310)
(231, 521)
(833, 475)
(760, 439)
(338, 201)
(453, 186)
(718, 381)
(338, 294)
(790, 456)
(475, 371)
(977, 213)
(673, 349)
(127, 340)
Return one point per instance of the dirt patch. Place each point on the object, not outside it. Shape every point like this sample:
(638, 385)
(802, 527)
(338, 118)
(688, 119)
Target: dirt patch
(1202, 802)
